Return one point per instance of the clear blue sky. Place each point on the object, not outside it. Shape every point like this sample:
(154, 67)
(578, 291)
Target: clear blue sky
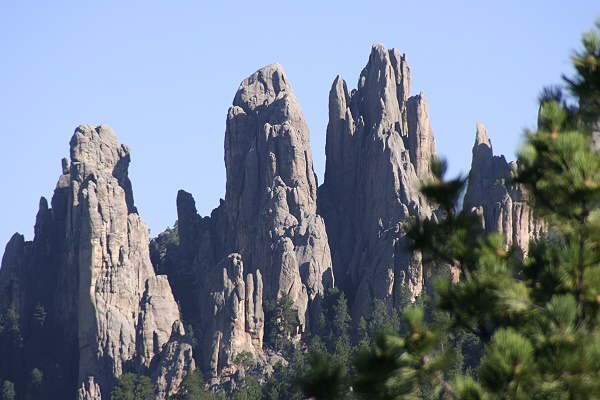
(163, 73)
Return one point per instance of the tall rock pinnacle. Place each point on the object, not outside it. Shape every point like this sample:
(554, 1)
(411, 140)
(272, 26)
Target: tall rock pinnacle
(501, 204)
(271, 197)
(265, 240)
(103, 300)
(379, 148)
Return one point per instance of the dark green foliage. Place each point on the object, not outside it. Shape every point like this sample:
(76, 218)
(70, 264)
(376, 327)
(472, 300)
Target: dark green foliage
(536, 321)
(193, 388)
(251, 390)
(281, 322)
(10, 329)
(244, 359)
(585, 85)
(324, 380)
(400, 366)
(163, 249)
(383, 319)
(282, 384)
(8, 391)
(11, 346)
(133, 387)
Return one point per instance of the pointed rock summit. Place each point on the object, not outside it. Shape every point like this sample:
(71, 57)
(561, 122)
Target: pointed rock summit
(379, 148)
(502, 205)
(481, 136)
(265, 240)
(271, 196)
(106, 307)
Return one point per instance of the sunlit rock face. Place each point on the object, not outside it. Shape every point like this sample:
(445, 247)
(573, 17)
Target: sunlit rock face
(502, 206)
(379, 149)
(265, 239)
(106, 309)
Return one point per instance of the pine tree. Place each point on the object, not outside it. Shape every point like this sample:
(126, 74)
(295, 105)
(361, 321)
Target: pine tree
(282, 322)
(193, 388)
(538, 318)
(341, 330)
(133, 387)
(251, 390)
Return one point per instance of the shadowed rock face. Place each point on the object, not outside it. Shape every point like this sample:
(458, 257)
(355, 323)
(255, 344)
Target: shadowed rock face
(103, 295)
(379, 147)
(501, 205)
(265, 239)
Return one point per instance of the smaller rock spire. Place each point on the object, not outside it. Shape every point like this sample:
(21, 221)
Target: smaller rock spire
(481, 135)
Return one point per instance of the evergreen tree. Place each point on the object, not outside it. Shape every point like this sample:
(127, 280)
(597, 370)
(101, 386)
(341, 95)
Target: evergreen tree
(193, 388)
(324, 380)
(538, 318)
(8, 391)
(11, 347)
(282, 322)
(251, 390)
(341, 331)
(133, 387)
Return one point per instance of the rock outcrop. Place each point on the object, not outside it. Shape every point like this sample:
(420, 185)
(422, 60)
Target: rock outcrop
(379, 148)
(234, 314)
(271, 197)
(502, 205)
(264, 241)
(106, 308)
(173, 363)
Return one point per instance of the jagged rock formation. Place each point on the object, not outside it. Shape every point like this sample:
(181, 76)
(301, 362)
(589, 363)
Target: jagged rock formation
(271, 196)
(379, 147)
(235, 313)
(264, 240)
(222, 302)
(106, 309)
(86, 284)
(501, 204)
(173, 363)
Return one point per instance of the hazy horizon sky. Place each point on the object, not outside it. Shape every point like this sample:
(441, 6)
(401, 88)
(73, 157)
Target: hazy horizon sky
(163, 74)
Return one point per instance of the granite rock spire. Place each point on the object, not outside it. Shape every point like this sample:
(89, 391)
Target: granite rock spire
(502, 205)
(106, 308)
(379, 148)
(264, 241)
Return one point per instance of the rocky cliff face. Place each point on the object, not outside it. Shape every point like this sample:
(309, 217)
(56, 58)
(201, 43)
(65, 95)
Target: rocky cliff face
(86, 284)
(501, 205)
(173, 363)
(265, 240)
(379, 147)
(271, 197)
(103, 297)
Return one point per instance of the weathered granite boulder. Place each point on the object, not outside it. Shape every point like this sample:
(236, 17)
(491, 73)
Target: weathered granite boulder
(379, 148)
(502, 205)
